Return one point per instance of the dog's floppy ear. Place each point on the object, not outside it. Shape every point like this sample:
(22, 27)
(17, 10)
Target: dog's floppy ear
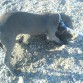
(67, 20)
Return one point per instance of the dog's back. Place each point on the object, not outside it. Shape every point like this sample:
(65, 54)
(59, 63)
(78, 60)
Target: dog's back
(24, 22)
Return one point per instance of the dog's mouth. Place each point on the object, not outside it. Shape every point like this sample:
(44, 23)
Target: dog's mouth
(67, 34)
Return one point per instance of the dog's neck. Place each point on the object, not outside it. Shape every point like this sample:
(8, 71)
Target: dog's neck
(61, 23)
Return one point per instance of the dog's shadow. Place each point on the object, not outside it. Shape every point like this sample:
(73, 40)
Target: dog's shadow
(38, 48)
(41, 52)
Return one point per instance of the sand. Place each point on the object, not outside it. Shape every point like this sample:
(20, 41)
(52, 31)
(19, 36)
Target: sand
(41, 61)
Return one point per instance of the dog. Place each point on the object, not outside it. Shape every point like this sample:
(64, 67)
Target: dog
(14, 23)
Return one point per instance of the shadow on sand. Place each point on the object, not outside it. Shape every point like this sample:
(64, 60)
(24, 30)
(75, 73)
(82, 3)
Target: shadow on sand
(39, 48)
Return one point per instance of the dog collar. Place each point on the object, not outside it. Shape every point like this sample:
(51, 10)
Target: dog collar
(62, 24)
(60, 19)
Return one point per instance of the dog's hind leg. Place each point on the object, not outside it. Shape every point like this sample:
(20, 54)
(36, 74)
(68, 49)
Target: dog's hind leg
(8, 40)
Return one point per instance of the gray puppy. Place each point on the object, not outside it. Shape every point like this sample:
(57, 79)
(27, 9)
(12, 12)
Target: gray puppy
(14, 23)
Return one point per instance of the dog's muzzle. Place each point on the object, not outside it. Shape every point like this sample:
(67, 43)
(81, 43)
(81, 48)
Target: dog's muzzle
(63, 33)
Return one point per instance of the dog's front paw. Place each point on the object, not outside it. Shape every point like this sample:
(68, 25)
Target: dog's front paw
(55, 39)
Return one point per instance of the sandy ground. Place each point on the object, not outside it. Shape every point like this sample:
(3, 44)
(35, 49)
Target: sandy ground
(41, 61)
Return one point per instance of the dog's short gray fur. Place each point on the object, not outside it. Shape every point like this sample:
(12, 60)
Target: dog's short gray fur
(14, 23)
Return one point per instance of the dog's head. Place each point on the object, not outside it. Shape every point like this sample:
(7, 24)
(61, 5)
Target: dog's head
(63, 33)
